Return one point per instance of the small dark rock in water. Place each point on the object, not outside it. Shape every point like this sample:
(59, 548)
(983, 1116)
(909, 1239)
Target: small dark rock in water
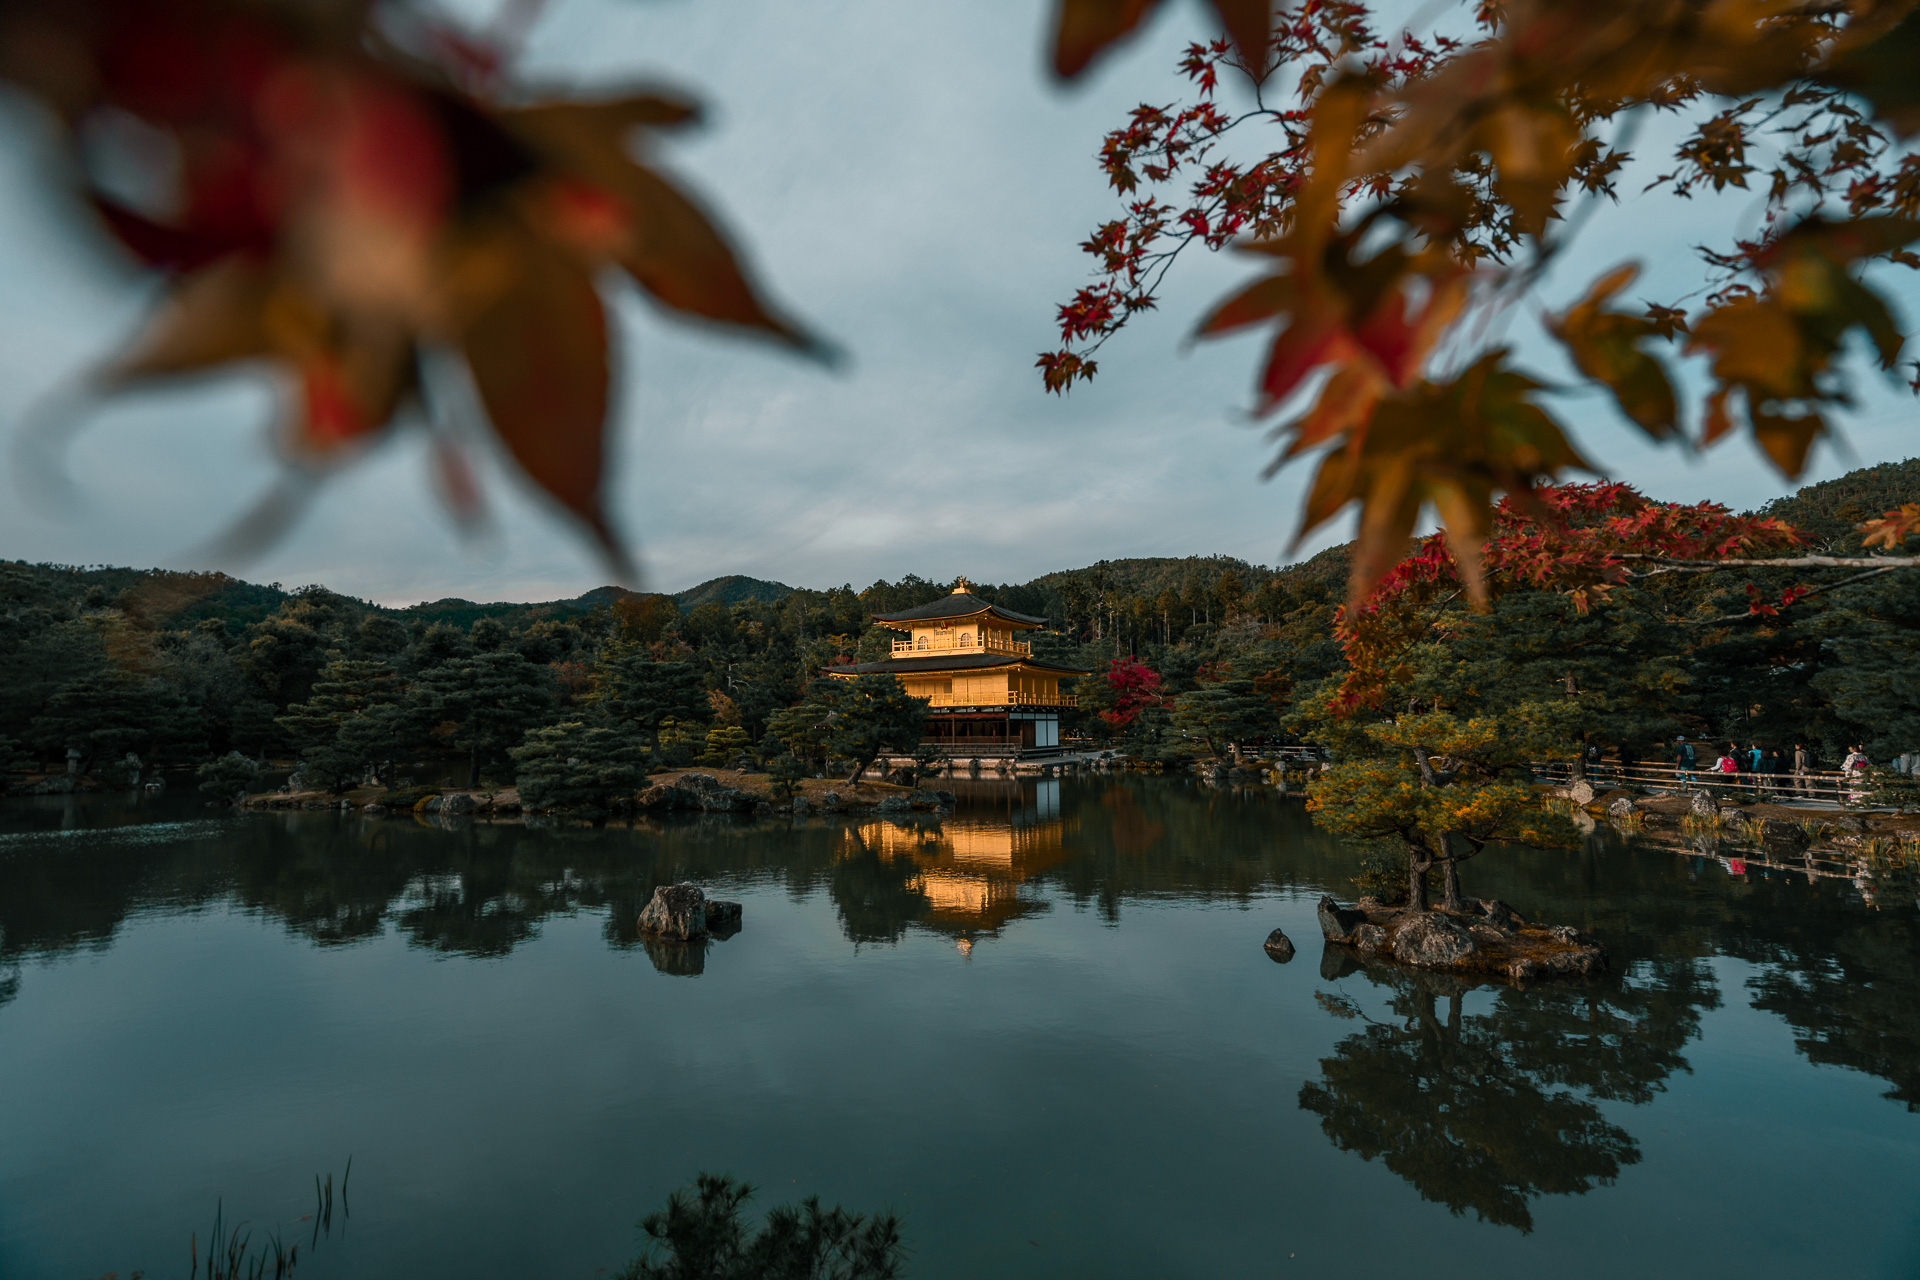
(1336, 922)
(1279, 946)
(677, 911)
(723, 917)
(1430, 940)
(894, 804)
(1369, 938)
(374, 810)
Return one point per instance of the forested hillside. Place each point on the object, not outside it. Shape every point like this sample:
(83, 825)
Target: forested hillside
(1188, 655)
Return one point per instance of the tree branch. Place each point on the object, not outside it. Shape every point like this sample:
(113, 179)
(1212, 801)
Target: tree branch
(1749, 615)
(1877, 563)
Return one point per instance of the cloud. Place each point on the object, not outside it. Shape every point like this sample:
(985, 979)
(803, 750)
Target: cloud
(909, 182)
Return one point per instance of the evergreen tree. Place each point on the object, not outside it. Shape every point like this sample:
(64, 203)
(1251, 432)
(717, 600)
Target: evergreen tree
(1873, 635)
(228, 776)
(631, 688)
(577, 765)
(785, 772)
(482, 705)
(109, 715)
(338, 729)
(725, 744)
(868, 715)
(1224, 713)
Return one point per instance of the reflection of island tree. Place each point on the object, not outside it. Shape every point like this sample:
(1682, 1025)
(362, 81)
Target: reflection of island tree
(1491, 1111)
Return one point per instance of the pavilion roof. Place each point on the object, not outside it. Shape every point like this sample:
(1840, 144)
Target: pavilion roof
(955, 662)
(959, 604)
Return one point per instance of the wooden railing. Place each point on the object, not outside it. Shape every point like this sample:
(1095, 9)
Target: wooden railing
(1004, 698)
(976, 642)
(1828, 785)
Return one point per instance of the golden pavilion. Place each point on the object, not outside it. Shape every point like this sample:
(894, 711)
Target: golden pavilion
(987, 694)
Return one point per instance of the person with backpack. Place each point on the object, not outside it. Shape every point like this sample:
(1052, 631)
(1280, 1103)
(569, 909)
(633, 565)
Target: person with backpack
(1684, 759)
(1802, 771)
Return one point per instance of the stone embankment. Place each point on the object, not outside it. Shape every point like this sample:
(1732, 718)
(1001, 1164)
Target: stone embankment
(1487, 938)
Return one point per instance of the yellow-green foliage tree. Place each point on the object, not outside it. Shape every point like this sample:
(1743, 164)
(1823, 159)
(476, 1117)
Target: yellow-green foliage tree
(1441, 785)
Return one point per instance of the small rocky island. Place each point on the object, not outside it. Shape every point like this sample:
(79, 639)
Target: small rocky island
(1488, 937)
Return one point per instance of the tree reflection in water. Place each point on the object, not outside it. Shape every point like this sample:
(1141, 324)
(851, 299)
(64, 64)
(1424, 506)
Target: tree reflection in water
(1490, 1110)
(1843, 975)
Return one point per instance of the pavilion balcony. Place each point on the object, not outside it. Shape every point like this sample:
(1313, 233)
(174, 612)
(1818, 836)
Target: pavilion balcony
(1004, 699)
(975, 642)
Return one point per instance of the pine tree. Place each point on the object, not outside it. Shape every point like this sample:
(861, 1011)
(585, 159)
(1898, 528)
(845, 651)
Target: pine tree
(349, 721)
(577, 765)
(725, 744)
(482, 705)
(631, 688)
(1224, 714)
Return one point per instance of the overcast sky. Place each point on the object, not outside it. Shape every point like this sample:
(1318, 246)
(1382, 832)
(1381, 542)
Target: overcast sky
(909, 181)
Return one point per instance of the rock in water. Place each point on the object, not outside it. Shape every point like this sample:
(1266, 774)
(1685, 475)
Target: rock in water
(1581, 792)
(1279, 946)
(677, 911)
(723, 918)
(1621, 807)
(1336, 922)
(1705, 805)
(455, 805)
(1431, 940)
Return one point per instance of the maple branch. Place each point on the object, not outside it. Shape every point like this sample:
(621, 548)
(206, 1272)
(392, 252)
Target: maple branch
(1749, 615)
(1877, 563)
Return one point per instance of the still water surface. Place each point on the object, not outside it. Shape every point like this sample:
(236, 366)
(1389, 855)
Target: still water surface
(1112, 1079)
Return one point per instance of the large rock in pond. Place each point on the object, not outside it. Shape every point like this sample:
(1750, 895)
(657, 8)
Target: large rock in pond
(678, 911)
(1430, 940)
(894, 804)
(1580, 792)
(661, 797)
(1621, 806)
(1704, 804)
(1279, 946)
(715, 796)
(1336, 922)
(455, 805)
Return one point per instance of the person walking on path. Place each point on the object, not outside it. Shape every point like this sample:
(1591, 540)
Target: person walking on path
(1684, 759)
(1728, 765)
(1802, 769)
(1855, 767)
(1773, 770)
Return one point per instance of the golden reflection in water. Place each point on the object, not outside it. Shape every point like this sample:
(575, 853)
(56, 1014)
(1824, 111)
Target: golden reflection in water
(969, 870)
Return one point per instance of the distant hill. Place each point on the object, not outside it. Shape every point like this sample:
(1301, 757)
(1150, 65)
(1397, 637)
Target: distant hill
(1826, 512)
(735, 588)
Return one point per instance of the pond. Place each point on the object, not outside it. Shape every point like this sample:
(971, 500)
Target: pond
(1041, 1029)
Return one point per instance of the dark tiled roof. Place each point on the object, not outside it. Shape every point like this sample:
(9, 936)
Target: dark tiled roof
(961, 604)
(957, 662)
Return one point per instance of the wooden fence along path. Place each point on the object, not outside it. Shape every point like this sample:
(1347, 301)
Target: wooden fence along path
(1832, 787)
